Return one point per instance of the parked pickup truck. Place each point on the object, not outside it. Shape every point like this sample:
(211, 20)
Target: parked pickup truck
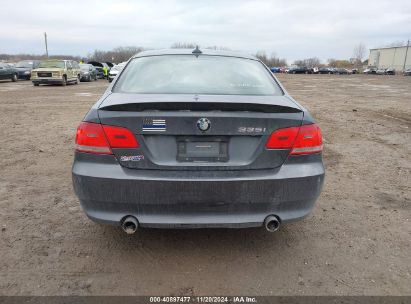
(56, 72)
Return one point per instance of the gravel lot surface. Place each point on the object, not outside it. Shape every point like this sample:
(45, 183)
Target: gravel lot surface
(357, 241)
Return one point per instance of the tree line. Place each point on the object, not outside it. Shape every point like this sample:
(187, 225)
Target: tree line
(120, 54)
(18, 57)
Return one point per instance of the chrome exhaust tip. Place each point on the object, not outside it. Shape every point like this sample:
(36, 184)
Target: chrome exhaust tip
(271, 223)
(129, 224)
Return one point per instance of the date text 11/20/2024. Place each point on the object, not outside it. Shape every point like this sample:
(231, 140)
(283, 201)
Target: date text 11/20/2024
(203, 299)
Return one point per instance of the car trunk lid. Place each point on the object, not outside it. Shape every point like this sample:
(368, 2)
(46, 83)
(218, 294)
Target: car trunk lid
(210, 132)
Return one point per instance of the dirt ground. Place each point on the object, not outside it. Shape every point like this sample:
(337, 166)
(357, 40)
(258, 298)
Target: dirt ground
(357, 241)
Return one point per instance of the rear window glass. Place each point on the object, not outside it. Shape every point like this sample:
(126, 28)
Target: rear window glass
(52, 64)
(188, 74)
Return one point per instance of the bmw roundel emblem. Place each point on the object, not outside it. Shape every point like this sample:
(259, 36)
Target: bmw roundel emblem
(203, 124)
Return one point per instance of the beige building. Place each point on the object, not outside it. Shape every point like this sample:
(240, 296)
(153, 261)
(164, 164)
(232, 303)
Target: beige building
(390, 57)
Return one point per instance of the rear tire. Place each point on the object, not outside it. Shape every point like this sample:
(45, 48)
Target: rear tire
(36, 84)
(14, 78)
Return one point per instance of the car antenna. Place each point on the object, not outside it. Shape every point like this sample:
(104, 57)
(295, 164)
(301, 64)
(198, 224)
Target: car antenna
(197, 51)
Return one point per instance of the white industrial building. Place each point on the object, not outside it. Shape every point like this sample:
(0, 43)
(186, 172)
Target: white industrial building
(390, 57)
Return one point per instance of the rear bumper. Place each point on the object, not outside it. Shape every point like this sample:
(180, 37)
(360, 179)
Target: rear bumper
(182, 199)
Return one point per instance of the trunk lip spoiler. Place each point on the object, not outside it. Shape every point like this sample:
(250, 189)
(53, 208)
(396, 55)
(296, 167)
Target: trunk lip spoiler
(118, 99)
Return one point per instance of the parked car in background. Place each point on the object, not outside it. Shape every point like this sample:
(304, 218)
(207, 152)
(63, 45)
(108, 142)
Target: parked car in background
(99, 68)
(300, 70)
(380, 72)
(56, 72)
(341, 71)
(25, 67)
(115, 70)
(370, 71)
(87, 72)
(390, 71)
(160, 147)
(275, 70)
(8, 72)
(325, 70)
(354, 71)
(407, 72)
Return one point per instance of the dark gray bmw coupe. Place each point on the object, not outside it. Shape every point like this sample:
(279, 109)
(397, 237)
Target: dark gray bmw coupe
(195, 139)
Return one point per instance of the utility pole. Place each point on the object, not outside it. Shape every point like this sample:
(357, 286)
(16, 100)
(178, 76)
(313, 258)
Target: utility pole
(45, 41)
(406, 53)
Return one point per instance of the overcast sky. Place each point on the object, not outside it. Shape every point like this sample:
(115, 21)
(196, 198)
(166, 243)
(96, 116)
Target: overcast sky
(293, 29)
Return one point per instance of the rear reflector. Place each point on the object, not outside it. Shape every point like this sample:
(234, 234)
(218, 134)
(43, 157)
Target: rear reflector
(306, 139)
(99, 139)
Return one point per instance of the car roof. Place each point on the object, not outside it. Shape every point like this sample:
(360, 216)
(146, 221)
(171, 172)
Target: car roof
(190, 51)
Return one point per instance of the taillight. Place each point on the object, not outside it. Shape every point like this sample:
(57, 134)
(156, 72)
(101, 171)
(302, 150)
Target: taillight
(309, 140)
(90, 138)
(282, 138)
(306, 139)
(97, 138)
(119, 137)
